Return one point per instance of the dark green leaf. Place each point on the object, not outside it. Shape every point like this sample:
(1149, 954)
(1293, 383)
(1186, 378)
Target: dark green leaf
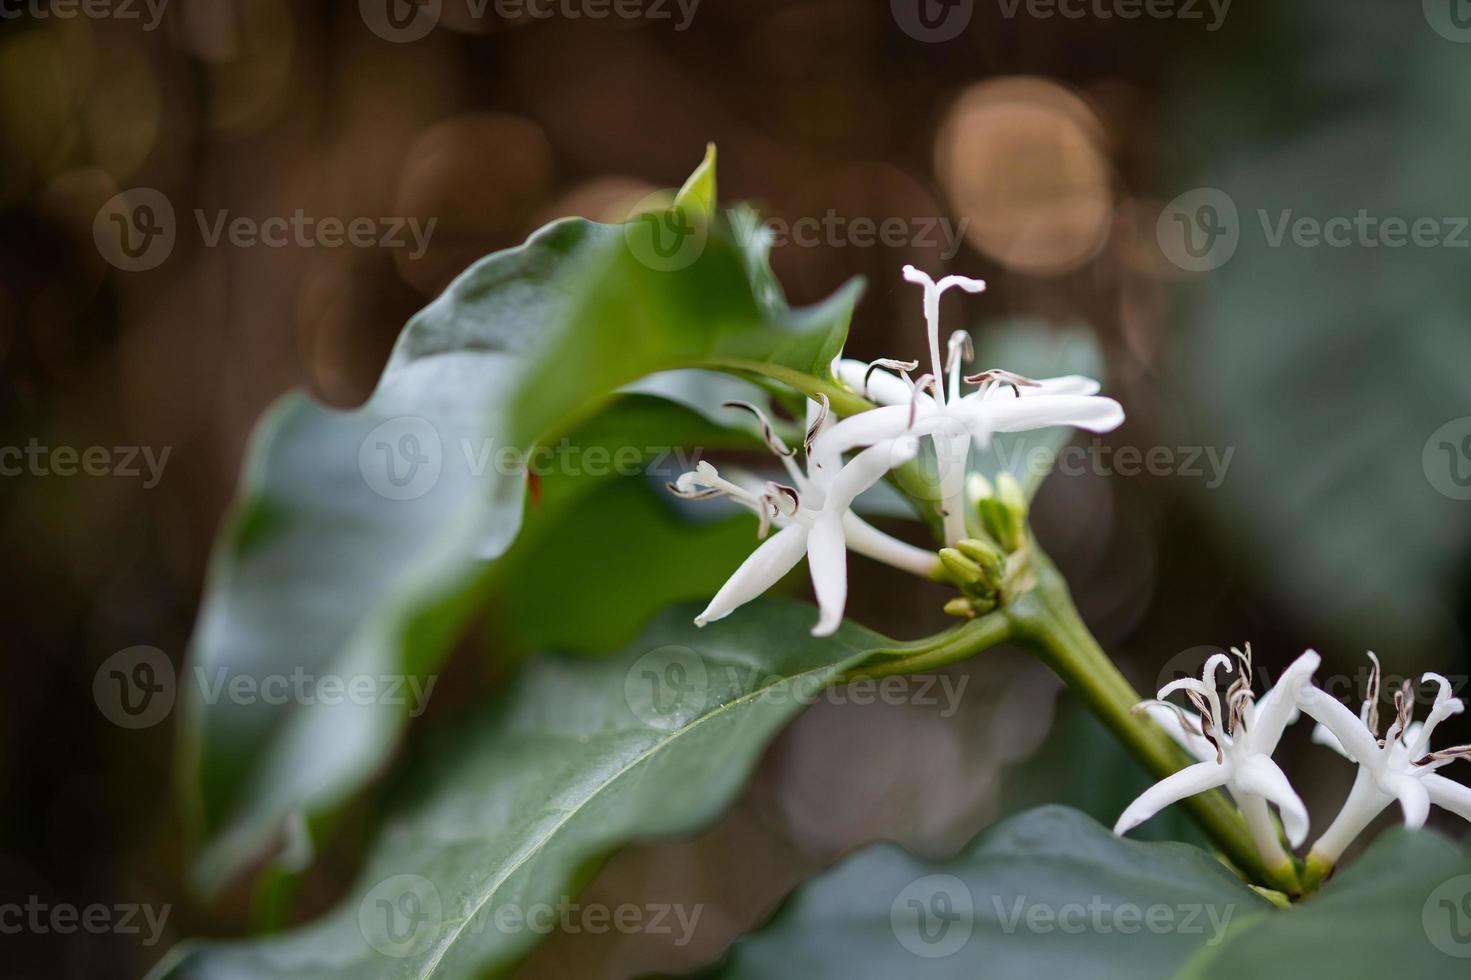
(355, 553)
(1402, 910)
(579, 757)
(1047, 893)
(332, 571)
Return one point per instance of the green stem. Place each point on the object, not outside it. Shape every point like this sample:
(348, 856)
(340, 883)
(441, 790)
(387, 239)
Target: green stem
(952, 646)
(1046, 621)
(843, 401)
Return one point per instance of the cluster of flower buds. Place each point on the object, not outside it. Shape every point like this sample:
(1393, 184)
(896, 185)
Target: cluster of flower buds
(814, 512)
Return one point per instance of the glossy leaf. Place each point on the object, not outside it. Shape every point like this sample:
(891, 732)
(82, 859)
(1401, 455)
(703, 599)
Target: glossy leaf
(579, 757)
(1403, 909)
(353, 554)
(1046, 893)
(356, 549)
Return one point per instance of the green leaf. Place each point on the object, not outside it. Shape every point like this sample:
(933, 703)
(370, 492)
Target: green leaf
(698, 192)
(629, 317)
(1047, 893)
(579, 757)
(354, 551)
(1403, 910)
(589, 580)
(330, 570)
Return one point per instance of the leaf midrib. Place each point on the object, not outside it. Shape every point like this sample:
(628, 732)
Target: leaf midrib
(443, 950)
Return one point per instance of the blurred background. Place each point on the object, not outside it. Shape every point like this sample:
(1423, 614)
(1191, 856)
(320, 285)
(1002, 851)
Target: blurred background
(1154, 180)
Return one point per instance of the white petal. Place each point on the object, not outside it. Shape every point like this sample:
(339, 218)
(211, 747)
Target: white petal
(882, 387)
(864, 429)
(1068, 384)
(1322, 736)
(1169, 720)
(1413, 798)
(1444, 707)
(863, 471)
(1353, 735)
(1172, 789)
(1275, 710)
(868, 540)
(1262, 777)
(1364, 803)
(766, 565)
(827, 559)
(1005, 413)
(1448, 794)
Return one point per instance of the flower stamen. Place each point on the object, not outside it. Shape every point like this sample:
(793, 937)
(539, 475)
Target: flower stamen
(768, 432)
(1009, 379)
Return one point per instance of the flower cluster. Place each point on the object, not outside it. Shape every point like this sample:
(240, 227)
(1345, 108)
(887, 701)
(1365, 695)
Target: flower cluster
(1234, 746)
(813, 513)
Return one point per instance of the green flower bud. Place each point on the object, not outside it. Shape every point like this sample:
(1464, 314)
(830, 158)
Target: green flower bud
(962, 569)
(985, 554)
(960, 606)
(1005, 525)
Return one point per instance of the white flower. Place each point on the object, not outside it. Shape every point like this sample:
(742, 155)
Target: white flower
(1398, 767)
(935, 406)
(815, 519)
(1235, 751)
